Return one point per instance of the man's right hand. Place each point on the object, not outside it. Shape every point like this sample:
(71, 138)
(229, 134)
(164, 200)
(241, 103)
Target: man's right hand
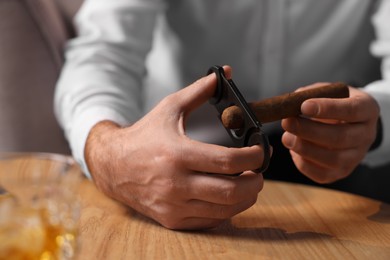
(153, 167)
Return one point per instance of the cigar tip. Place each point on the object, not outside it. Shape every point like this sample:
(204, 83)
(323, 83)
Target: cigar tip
(232, 117)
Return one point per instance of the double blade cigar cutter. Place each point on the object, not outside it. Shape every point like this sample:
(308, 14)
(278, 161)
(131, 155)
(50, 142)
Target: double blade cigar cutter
(226, 95)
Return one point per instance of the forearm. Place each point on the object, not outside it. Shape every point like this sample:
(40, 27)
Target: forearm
(104, 68)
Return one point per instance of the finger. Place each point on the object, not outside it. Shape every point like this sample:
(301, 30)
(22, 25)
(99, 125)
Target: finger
(203, 157)
(224, 190)
(194, 223)
(346, 109)
(202, 209)
(208, 215)
(199, 92)
(335, 136)
(319, 155)
(316, 172)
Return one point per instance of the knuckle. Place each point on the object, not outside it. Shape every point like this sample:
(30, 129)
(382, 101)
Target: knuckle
(230, 193)
(319, 175)
(170, 223)
(168, 217)
(222, 213)
(170, 105)
(354, 108)
(227, 163)
(298, 146)
(167, 156)
(169, 100)
(164, 161)
(252, 201)
(324, 178)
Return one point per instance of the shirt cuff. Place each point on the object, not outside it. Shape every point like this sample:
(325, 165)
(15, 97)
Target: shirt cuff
(83, 125)
(380, 92)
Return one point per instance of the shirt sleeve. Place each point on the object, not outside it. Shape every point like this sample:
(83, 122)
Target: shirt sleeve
(105, 66)
(380, 90)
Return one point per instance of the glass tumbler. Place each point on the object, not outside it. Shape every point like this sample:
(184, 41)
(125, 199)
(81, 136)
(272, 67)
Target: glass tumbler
(39, 206)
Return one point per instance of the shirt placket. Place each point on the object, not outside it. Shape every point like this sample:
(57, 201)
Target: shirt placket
(272, 49)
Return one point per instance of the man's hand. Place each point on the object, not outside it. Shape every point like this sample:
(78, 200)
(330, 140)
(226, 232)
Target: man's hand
(153, 167)
(333, 136)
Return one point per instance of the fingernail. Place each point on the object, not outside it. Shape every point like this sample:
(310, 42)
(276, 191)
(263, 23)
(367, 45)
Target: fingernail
(289, 140)
(309, 108)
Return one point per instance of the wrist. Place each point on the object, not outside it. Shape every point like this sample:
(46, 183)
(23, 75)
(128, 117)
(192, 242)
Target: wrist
(97, 146)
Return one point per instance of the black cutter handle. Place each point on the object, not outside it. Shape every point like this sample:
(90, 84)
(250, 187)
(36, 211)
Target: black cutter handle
(226, 95)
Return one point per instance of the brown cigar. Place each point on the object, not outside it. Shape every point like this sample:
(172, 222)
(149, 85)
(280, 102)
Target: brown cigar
(279, 107)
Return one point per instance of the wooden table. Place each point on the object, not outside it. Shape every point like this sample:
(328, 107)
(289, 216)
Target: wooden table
(289, 221)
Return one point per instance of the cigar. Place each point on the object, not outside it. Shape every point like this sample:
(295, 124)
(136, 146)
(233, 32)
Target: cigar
(284, 106)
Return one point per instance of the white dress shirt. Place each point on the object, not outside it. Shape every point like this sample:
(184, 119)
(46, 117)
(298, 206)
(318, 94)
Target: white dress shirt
(129, 54)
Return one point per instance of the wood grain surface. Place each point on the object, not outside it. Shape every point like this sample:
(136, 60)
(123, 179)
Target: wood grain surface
(289, 221)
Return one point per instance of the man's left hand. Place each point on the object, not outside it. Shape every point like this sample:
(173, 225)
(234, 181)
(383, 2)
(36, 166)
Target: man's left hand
(332, 136)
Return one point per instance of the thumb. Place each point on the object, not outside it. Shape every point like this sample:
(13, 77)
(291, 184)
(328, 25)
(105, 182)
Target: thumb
(199, 92)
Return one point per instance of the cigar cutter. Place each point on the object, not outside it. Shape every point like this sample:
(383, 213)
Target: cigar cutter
(226, 95)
